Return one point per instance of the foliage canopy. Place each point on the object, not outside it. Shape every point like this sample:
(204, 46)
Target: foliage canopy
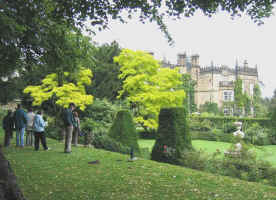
(147, 87)
(66, 93)
(27, 26)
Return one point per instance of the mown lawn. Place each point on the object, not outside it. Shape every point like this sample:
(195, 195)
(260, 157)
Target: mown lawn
(50, 175)
(263, 152)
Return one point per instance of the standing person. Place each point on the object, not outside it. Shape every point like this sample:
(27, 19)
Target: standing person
(69, 123)
(39, 128)
(20, 125)
(8, 125)
(76, 130)
(29, 129)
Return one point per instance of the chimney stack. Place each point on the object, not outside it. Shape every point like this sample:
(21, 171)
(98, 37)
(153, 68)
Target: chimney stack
(245, 63)
(195, 60)
(181, 59)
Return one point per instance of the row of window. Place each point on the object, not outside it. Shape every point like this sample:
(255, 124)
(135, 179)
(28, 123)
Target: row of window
(228, 95)
(229, 110)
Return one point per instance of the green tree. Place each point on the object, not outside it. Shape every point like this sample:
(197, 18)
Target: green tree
(189, 88)
(147, 87)
(106, 82)
(257, 100)
(63, 94)
(239, 100)
(210, 107)
(253, 132)
(247, 105)
(271, 102)
(25, 24)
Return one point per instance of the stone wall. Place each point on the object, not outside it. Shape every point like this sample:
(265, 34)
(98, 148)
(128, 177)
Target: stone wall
(9, 190)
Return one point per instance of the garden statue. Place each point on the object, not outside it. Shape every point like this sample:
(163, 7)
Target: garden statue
(238, 132)
(239, 135)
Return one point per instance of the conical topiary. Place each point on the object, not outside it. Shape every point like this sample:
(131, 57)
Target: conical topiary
(123, 130)
(173, 137)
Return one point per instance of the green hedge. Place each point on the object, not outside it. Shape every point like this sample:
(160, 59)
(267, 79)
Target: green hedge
(173, 137)
(223, 121)
(123, 130)
(210, 136)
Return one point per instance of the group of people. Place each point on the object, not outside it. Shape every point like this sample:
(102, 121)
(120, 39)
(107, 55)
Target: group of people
(20, 121)
(34, 125)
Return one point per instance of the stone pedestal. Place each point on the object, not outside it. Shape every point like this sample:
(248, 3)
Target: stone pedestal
(238, 146)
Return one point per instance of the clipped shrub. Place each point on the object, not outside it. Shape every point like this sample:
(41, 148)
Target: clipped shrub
(123, 130)
(88, 128)
(52, 130)
(97, 135)
(173, 137)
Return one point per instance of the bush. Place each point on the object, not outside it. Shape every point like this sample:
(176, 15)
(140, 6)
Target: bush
(229, 127)
(202, 135)
(103, 141)
(52, 129)
(89, 127)
(257, 135)
(173, 137)
(97, 135)
(213, 135)
(194, 159)
(244, 166)
(101, 112)
(123, 130)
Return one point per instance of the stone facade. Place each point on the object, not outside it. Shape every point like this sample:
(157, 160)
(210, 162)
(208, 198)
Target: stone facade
(215, 83)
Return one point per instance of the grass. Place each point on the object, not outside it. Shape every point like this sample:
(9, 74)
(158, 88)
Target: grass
(263, 152)
(50, 175)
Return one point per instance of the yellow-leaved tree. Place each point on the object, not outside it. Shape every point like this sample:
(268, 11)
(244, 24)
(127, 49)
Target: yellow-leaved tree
(147, 86)
(71, 90)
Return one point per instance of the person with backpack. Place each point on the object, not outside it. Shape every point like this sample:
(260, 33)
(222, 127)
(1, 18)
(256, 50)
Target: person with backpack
(39, 131)
(20, 119)
(69, 124)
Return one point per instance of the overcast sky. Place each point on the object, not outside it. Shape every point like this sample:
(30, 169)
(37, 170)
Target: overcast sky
(219, 39)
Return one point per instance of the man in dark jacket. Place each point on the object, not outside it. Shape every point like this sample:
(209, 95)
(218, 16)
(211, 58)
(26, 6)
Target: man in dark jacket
(69, 124)
(8, 125)
(20, 125)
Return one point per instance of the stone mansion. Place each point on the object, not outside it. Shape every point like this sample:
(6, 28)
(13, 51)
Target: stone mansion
(216, 83)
